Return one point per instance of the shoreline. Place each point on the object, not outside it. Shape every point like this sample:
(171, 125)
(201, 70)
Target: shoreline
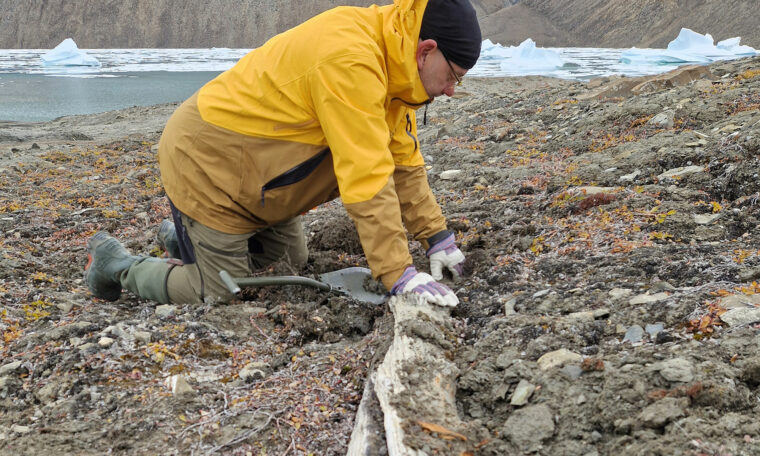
(148, 121)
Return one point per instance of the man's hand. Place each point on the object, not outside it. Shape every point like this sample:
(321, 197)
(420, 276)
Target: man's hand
(445, 253)
(424, 285)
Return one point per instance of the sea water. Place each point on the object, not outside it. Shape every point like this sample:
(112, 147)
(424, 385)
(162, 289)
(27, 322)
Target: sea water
(31, 92)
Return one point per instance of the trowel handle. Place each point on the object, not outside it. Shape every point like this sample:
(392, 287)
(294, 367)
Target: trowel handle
(234, 284)
(229, 282)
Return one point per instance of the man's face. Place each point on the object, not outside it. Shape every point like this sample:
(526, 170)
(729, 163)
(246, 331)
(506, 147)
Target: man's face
(439, 76)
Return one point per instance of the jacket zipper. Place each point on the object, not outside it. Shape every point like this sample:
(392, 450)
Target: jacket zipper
(294, 174)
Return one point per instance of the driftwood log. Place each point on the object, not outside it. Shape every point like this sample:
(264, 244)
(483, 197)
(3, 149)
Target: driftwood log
(414, 387)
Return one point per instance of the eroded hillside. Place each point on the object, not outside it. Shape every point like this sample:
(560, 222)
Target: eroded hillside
(248, 23)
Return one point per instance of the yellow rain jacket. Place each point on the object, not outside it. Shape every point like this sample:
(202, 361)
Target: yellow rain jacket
(324, 109)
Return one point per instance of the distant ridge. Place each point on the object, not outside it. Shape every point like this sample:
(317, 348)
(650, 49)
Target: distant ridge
(622, 23)
(248, 23)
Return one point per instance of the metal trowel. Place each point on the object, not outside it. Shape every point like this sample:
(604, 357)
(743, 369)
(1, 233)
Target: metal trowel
(348, 281)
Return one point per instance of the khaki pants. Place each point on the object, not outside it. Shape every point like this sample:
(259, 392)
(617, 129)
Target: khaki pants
(216, 251)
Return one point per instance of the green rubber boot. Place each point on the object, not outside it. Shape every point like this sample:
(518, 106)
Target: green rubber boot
(167, 239)
(106, 260)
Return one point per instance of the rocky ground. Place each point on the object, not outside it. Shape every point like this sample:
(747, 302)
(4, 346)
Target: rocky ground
(611, 233)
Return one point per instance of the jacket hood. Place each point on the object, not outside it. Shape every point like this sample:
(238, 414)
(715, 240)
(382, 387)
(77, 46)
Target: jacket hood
(401, 33)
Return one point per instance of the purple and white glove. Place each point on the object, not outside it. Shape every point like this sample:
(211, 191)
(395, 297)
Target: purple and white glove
(424, 285)
(445, 253)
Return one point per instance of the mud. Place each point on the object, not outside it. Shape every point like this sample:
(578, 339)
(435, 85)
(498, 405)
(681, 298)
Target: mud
(605, 239)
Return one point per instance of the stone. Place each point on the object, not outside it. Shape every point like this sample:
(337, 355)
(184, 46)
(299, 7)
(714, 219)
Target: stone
(529, 427)
(706, 219)
(522, 393)
(256, 311)
(557, 358)
(8, 385)
(730, 128)
(179, 386)
(67, 331)
(665, 119)
(647, 298)
(572, 371)
(15, 367)
(509, 307)
(681, 76)
(634, 334)
(499, 391)
(253, 371)
(741, 316)
(676, 370)
(662, 412)
(662, 286)
(749, 274)
(88, 348)
(542, 293)
(205, 376)
(65, 306)
(703, 85)
(616, 86)
(629, 177)
(504, 360)
(165, 311)
(616, 293)
(695, 144)
(116, 331)
(663, 337)
(654, 329)
(18, 429)
(451, 174)
(601, 313)
(144, 337)
(682, 171)
(106, 342)
(580, 317)
(594, 190)
(47, 393)
(740, 300)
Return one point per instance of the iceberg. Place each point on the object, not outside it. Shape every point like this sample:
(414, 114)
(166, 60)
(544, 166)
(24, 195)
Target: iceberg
(691, 41)
(689, 47)
(494, 51)
(528, 58)
(68, 54)
(732, 45)
(523, 59)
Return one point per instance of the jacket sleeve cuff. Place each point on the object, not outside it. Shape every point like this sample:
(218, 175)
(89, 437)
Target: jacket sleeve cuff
(390, 278)
(437, 237)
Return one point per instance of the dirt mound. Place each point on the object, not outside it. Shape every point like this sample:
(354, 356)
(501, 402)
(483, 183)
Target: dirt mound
(609, 306)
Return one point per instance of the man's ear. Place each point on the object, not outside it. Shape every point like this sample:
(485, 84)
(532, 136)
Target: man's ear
(424, 49)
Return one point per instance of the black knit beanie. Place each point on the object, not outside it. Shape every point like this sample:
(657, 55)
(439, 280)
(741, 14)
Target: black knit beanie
(454, 26)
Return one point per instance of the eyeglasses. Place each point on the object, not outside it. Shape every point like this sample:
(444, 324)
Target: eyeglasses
(456, 76)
